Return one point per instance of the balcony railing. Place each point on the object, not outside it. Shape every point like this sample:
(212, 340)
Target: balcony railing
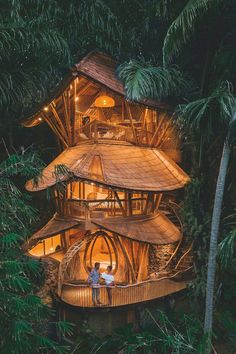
(81, 294)
(105, 131)
(100, 208)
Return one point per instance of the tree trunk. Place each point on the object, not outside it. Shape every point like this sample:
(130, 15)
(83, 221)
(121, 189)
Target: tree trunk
(215, 223)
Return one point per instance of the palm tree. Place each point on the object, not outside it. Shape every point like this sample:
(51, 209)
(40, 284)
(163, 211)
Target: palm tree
(207, 116)
(218, 110)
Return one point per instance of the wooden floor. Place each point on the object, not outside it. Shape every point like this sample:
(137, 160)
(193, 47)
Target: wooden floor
(81, 294)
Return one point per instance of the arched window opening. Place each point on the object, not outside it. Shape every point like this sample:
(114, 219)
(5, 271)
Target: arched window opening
(101, 249)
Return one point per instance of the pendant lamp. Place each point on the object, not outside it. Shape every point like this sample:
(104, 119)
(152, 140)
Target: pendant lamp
(104, 101)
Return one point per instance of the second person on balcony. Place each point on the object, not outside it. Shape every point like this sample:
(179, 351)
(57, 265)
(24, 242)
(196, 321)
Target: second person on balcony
(109, 280)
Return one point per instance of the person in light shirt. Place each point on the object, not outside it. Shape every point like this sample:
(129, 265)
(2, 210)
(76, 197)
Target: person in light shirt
(109, 281)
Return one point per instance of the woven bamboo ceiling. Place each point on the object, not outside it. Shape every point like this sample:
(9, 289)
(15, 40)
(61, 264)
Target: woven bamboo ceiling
(124, 166)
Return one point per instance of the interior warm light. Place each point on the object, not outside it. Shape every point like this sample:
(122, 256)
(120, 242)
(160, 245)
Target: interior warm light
(104, 102)
(76, 99)
(46, 109)
(40, 119)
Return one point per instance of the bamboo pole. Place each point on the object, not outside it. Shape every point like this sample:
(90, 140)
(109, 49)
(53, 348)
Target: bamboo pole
(130, 204)
(157, 130)
(67, 119)
(56, 131)
(163, 133)
(157, 201)
(119, 202)
(127, 259)
(55, 113)
(131, 122)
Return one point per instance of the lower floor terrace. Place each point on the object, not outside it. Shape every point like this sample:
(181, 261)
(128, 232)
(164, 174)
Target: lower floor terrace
(80, 294)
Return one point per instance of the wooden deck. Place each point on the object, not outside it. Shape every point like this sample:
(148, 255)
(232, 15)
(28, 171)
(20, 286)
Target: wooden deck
(81, 294)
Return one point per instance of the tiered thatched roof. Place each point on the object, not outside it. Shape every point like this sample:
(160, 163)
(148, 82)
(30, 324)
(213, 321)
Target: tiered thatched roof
(122, 166)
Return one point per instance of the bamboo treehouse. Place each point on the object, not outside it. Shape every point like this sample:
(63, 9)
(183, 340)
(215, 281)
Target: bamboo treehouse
(114, 187)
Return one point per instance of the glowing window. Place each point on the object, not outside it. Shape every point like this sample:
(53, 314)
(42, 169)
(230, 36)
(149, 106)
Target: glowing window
(47, 246)
(101, 249)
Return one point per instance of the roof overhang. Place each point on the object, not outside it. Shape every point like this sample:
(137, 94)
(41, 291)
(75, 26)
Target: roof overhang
(98, 67)
(157, 229)
(53, 227)
(125, 167)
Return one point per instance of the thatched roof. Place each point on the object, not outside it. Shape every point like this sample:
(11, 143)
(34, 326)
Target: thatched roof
(53, 227)
(157, 229)
(124, 166)
(97, 67)
(101, 68)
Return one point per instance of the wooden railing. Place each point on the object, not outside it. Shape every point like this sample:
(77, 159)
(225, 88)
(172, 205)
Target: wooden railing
(99, 208)
(105, 131)
(81, 294)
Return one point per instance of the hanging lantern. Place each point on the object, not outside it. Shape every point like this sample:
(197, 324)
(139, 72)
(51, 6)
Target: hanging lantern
(104, 102)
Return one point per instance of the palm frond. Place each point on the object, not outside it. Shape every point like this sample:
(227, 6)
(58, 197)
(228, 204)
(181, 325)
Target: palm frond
(141, 80)
(9, 240)
(182, 28)
(210, 115)
(226, 249)
(64, 328)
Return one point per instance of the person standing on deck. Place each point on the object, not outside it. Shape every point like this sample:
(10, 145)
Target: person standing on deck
(94, 281)
(109, 280)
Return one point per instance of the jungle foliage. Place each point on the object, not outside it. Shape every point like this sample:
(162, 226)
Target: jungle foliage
(182, 52)
(25, 320)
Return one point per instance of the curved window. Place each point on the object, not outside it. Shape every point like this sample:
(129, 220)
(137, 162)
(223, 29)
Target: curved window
(100, 249)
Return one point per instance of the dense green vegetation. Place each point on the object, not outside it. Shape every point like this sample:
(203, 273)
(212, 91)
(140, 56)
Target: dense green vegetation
(182, 52)
(25, 320)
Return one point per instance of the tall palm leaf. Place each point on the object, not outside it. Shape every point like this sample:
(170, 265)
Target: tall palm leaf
(182, 28)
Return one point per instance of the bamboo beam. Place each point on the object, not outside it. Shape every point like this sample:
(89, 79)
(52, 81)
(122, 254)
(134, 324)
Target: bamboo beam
(147, 203)
(130, 204)
(158, 143)
(56, 131)
(133, 276)
(72, 104)
(67, 119)
(119, 202)
(122, 110)
(131, 122)
(157, 201)
(143, 125)
(172, 129)
(56, 115)
(141, 262)
(157, 130)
